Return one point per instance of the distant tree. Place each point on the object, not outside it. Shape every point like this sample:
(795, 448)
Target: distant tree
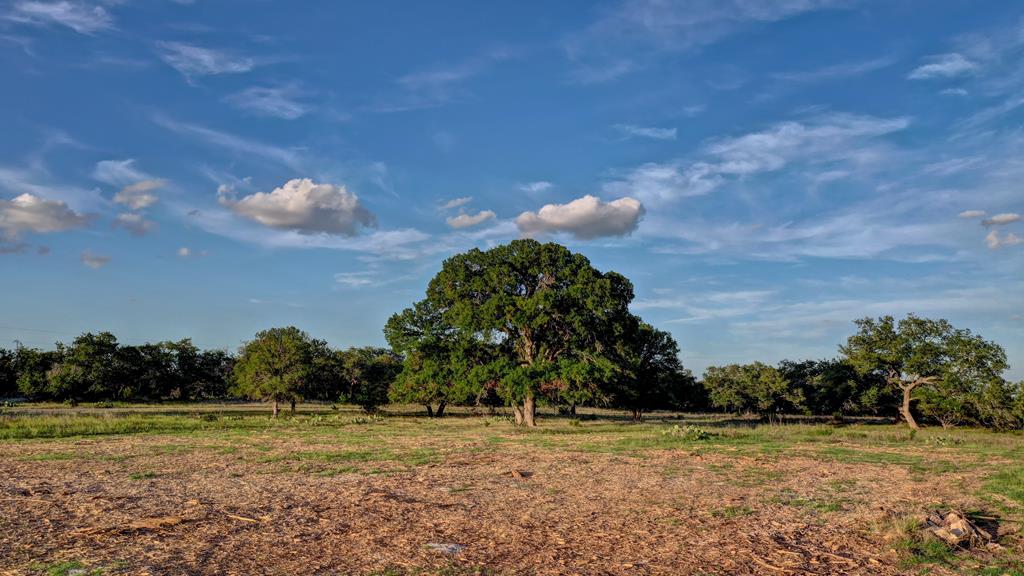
(327, 381)
(369, 373)
(439, 360)
(653, 376)
(752, 388)
(90, 368)
(8, 374)
(916, 353)
(213, 376)
(550, 316)
(32, 365)
(274, 366)
(835, 388)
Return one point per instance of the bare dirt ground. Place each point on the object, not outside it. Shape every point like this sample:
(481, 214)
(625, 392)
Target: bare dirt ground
(371, 498)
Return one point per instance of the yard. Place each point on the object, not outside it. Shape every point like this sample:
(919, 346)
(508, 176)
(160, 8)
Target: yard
(225, 489)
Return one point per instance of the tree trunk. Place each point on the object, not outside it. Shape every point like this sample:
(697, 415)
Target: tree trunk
(530, 411)
(572, 409)
(430, 411)
(905, 407)
(277, 408)
(293, 407)
(518, 414)
(638, 415)
(440, 409)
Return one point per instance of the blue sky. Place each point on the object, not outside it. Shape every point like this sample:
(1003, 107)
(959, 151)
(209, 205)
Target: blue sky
(764, 172)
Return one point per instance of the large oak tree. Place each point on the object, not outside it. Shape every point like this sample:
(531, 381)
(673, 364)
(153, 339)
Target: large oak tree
(919, 352)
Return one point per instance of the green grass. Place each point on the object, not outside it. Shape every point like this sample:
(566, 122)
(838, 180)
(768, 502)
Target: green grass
(1008, 483)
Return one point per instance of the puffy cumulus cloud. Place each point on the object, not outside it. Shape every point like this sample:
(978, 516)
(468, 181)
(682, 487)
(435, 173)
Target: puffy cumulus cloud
(944, 66)
(134, 223)
(304, 206)
(829, 138)
(78, 16)
(94, 261)
(995, 241)
(1001, 219)
(469, 220)
(30, 213)
(585, 218)
(971, 214)
(191, 60)
(139, 195)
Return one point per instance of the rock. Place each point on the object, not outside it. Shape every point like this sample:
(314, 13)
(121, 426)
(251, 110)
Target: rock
(445, 548)
(955, 529)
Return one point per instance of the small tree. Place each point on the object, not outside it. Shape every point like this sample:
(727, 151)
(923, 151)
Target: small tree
(653, 376)
(920, 352)
(274, 366)
(369, 373)
(8, 374)
(752, 388)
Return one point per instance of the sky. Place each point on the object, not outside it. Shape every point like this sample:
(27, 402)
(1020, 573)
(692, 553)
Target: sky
(763, 171)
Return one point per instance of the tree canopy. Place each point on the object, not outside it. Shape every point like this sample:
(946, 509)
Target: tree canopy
(274, 366)
(917, 353)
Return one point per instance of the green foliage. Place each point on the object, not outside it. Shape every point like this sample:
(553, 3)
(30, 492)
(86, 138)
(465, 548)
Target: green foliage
(369, 373)
(8, 374)
(651, 375)
(752, 388)
(835, 388)
(547, 319)
(929, 360)
(275, 366)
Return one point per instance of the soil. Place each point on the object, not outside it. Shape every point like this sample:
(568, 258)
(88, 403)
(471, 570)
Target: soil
(165, 505)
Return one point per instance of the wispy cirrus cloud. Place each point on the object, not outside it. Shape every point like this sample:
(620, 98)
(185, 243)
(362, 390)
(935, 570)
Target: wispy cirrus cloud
(944, 66)
(81, 17)
(829, 138)
(276, 102)
(93, 260)
(192, 60)
(439, 85)
(633, 30)
(232, 143)
(653, 132)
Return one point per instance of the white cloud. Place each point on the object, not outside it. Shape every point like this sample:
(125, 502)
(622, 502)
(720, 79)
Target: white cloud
(468, 220)
(94, 261)
(134, 223)
(186, 252)
(944, 66)
(971, 214)
(456, 202)
(632, 130)
(191, 60)
(78, 16)
(277, 102)
(826, 138)
(954, 92)
(648, 27)
(536, 187)
(232, 143)
(306, 207)
(29, 213)
(1001, 219)
(844, 70)
(119, 172)
(585, 218)
(139, 195)
(355, 279)
(996, 242)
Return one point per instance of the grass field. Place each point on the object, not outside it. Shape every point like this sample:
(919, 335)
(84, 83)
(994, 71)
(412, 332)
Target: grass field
(225, 489)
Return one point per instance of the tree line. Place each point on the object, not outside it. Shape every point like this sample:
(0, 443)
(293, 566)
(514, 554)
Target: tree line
(528, 323)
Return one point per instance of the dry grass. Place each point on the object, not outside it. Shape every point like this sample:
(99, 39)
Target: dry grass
(336, 492)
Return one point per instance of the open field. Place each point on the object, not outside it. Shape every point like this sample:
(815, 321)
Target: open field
(186, 489)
